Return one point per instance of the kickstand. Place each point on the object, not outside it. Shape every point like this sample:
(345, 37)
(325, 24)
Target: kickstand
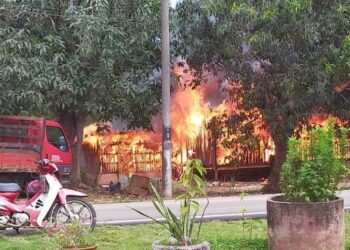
(16, 229)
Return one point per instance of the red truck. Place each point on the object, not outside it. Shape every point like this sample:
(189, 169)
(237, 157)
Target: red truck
(18, 135)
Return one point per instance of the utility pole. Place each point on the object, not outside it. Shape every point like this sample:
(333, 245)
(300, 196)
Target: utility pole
(70, 4)
(166, 135)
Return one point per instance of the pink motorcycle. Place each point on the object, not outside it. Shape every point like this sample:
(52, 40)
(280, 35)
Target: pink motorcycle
(52, 204)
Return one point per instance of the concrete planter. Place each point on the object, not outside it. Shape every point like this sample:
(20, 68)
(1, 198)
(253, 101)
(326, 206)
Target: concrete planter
(203, 246)
(305, 226)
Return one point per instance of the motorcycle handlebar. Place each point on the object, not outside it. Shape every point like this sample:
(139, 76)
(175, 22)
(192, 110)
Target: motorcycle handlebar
(43, 162)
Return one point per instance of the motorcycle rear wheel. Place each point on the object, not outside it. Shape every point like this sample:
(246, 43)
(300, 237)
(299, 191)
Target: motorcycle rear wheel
(77, 206)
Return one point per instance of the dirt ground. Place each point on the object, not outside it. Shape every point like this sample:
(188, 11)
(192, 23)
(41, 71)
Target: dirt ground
(103, 195)
(213, 189)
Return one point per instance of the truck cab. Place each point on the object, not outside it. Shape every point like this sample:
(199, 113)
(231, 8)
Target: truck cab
(18, 135)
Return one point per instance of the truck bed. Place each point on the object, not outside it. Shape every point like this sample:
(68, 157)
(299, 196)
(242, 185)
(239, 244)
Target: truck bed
(18, 135)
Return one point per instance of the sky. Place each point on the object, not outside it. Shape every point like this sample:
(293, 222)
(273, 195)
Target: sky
(173, 3)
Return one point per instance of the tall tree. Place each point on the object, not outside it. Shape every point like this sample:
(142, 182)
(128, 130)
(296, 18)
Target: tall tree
(80, 60)
(285, 54)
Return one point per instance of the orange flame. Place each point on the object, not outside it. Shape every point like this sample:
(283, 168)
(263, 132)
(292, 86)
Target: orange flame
(189, 117)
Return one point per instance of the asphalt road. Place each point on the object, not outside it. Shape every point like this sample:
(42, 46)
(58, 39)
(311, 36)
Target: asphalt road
(219, 208)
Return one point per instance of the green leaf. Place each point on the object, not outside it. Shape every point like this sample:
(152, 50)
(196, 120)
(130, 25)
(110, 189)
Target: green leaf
(198, 181)
(182, 197)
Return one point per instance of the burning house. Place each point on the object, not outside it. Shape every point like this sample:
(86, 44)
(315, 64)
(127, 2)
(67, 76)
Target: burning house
(195, 118)
(192, 109)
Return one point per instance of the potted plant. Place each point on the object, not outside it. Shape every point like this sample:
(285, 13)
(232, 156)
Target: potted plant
(181, 228)
(309, 215)
(72, 236)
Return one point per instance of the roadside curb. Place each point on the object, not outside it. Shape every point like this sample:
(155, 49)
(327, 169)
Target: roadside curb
(221, 217)
(216, 217)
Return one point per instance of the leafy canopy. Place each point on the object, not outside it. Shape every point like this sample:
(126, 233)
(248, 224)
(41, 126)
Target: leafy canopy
(290, 58)
(288, 55)
(95, 59)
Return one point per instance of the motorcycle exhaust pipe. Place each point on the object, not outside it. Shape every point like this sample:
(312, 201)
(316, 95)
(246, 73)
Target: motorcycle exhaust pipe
(12, 225)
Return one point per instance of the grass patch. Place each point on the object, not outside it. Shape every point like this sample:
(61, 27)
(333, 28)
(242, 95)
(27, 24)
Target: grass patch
(221, 235)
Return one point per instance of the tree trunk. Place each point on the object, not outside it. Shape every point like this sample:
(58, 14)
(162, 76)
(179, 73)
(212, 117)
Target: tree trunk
(273, 185)
(74, 128)
(70, 4)
(213, 152)
(80, 154)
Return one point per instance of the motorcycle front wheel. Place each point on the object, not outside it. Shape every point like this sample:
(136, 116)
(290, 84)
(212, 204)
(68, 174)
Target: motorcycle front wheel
(79, 210)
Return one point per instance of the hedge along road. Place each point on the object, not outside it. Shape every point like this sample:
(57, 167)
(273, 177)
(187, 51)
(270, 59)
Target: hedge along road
(219, 208)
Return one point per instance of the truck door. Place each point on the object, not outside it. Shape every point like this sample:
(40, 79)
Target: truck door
(56, 149)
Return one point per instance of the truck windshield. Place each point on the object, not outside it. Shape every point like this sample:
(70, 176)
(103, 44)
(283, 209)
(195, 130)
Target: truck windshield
(56, 138)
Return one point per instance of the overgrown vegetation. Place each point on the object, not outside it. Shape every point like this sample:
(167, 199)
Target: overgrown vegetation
(315, 165)
(78, 61)
(73, 235)
(290, 57)
(249, 226)
(221, 236)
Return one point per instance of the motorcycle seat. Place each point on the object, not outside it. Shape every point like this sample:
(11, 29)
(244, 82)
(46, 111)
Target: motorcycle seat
(9, 187)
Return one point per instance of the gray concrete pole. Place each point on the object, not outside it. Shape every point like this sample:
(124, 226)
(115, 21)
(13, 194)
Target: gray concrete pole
(166, 135)
(70, 4)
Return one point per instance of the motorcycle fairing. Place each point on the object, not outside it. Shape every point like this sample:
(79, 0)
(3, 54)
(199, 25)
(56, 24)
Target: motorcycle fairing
(55, 187)
(12, 207)
(34, 208)
(64, 193)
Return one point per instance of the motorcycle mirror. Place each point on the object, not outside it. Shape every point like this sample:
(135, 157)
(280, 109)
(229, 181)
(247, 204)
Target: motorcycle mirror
(63, 143)
(37, 148)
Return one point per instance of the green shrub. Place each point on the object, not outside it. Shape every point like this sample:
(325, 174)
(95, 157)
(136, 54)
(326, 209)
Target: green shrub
(315, 165)
(71, 235)
(181, 228)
